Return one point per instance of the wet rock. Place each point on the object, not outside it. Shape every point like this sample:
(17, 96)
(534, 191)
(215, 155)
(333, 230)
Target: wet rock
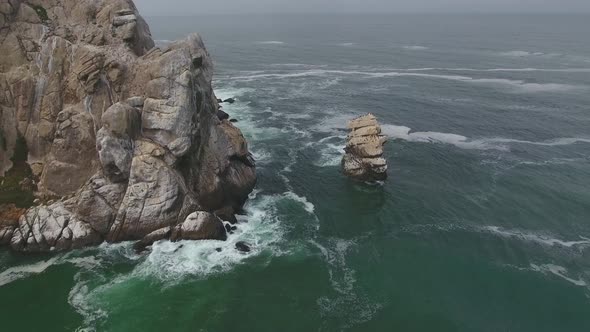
(229, 100)
(155, 236)
(363, 159)
(243, 246)
(200, 225)
(227, 214)
(221, 115)
(233, 120)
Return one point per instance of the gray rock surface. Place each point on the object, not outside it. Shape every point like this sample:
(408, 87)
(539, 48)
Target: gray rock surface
(364, 150)
(200, 225)
(124, 136)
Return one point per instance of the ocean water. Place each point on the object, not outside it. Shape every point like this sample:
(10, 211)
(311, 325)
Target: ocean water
(483, 224)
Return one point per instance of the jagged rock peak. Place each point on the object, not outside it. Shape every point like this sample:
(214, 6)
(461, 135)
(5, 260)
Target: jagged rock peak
(363, 159)
(122, 138)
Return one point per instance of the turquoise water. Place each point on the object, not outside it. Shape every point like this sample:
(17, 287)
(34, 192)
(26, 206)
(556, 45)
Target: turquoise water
(483, 224)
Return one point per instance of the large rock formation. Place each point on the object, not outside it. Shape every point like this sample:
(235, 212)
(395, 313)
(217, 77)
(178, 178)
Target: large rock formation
(363, 159)
(123, 138)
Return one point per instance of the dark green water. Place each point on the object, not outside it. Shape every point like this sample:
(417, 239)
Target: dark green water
(483, 225)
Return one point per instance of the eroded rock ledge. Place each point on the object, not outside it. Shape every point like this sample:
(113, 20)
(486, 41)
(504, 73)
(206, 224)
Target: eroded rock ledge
(123, 138)
(363, 159)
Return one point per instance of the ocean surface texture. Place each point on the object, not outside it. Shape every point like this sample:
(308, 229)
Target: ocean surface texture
(483, 224)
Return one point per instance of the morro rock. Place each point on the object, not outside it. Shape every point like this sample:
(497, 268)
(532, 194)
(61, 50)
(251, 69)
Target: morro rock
(363, 159)
(121, 139)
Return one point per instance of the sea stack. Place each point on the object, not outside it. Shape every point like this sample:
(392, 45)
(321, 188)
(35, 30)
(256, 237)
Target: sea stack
(363, 159)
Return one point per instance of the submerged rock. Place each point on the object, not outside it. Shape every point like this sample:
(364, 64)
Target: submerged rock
(229, 100)
(243, 246)
(123, 136)
(363, 159)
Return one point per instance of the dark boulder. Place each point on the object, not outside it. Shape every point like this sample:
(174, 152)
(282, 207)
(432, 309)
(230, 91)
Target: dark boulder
(243, 246)
(229, 100)
(222, 115)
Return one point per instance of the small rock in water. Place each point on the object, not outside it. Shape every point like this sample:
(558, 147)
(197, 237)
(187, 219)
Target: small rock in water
(233, 228)
(243, 246)
(233, 120)
(218, 249)
(179, 247)
(229, 100)
(364, 150)
(228, 228)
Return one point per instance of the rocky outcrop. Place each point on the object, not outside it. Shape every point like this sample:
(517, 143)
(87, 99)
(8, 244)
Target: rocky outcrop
(123, 138)
(363, 159)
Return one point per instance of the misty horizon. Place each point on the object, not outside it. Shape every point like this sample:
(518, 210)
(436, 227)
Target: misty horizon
(191, 8)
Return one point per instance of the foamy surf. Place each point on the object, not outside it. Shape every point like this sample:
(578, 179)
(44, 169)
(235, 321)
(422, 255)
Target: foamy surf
(528, 236)
(460, 141)
(414, 47)
(271, 42)
(559, 271)
(522, 54)
(519, 86)
(349, 303)
(23, 271)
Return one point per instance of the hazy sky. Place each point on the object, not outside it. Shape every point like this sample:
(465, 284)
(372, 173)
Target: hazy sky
(191, 7)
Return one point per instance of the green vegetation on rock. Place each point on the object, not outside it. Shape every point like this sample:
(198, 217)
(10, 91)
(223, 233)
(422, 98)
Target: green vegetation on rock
(41, 12)
(11, 190)
(2, 140)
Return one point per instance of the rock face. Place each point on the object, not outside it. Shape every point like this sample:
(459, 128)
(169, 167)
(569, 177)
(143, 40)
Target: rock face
(123, 138)
(363, 159)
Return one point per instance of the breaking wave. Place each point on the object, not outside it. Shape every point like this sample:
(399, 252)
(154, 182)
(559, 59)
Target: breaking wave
(460, 141)
(415, 47)
(271, 42)
(520, 85)
(522, 54)
(559, 271)
(535, 237)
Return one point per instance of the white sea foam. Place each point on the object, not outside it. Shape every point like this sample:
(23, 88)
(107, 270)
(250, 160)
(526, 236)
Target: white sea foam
(525, 70)
(23, 271)
(271, 42)
(559, 271)
(308, 206)
(502, 144)
(261, 155)
(346, 44)
(350, 305)
(170, 261)
(415, 47)
(536, 238)
(330, 154)
(334, 253)
(516, 85)
(79, 299)
(261, 229)
(231, 92)
(522, 54)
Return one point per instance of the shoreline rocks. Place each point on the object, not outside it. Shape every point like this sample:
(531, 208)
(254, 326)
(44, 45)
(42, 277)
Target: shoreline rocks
(363, 159)
(124, 139)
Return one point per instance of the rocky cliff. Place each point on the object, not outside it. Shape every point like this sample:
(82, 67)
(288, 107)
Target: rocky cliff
(122, 138)
(363, 159)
